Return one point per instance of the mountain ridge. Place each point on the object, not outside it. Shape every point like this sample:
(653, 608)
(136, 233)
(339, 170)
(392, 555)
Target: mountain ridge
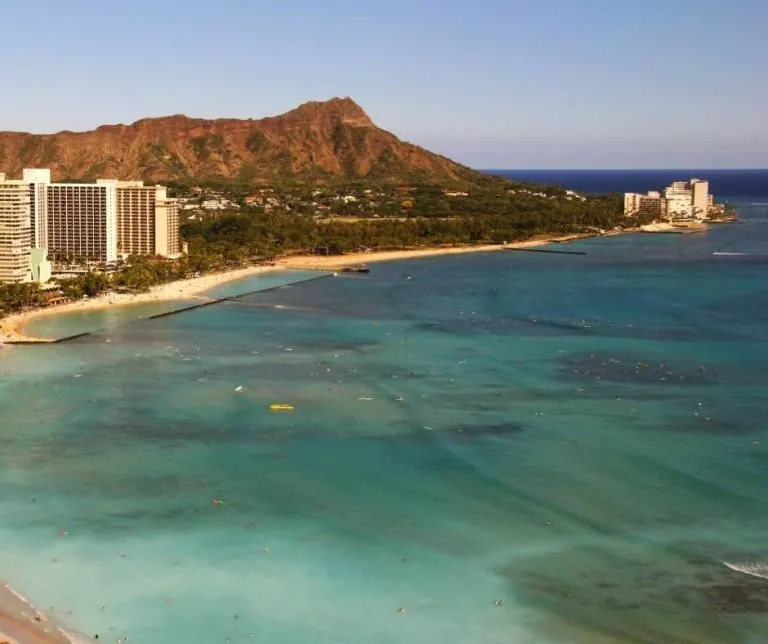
(316, 141)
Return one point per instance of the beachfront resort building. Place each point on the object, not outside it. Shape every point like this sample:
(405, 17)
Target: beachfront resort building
(20, 259)
(682, 200)
(82, 221)
(101, 222)
(147, 220)
(38, 181)
(15, 232)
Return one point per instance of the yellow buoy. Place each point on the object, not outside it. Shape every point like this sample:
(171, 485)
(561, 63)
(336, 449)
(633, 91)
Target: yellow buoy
(280, 407)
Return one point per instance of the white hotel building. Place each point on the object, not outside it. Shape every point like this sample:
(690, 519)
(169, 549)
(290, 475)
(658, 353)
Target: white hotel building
(15, 232)
(38, 181)
(688, 200)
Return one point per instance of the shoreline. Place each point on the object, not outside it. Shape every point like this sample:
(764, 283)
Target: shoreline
(12, 327)
(337, 262)
(22, 623)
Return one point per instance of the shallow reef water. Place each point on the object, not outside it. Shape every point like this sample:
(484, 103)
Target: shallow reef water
(511, 447)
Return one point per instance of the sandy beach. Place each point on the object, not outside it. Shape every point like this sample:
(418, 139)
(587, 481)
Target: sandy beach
(336, 262)
(22, 623)
(314, 262)
(12, 327)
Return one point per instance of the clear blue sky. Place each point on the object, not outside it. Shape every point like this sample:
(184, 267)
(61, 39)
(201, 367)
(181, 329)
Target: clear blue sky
(492, 83)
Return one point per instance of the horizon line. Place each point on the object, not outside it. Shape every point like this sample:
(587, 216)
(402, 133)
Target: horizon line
(646, 169)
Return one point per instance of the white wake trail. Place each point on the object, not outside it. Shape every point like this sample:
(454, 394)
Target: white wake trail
(754, 568)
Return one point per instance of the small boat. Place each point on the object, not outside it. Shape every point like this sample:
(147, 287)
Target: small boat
(356, 268)
(280, 407)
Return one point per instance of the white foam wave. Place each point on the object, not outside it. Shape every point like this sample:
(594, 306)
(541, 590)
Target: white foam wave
(18, 595)
(754, 568)
(72, 638)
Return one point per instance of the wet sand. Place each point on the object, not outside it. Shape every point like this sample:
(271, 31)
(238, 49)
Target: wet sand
(22, 623)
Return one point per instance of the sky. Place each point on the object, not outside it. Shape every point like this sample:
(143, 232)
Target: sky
(490, 83)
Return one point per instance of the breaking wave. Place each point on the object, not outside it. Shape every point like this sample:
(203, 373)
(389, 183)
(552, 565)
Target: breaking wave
(754, 568)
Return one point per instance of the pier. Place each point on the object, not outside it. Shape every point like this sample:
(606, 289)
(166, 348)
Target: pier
(545, 250)
(356, 268)
(232, 298)
(57, 341)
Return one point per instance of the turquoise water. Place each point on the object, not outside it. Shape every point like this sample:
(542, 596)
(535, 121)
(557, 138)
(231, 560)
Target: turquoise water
(62, 326)
(582, 438)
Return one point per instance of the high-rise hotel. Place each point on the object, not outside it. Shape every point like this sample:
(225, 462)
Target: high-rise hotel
(15, 231)
(38, 181)
(147, 220)
(102, 221)
(82, 221)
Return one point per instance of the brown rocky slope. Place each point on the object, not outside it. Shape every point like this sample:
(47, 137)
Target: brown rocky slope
(317, 141)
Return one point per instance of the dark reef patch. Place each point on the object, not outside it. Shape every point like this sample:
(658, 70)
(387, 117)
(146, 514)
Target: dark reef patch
(747, 595)
(636, 371)
(704, 423)
(468, 431)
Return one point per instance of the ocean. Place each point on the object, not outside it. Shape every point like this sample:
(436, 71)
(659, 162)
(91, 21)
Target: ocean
(748, 183)
(510, 447)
